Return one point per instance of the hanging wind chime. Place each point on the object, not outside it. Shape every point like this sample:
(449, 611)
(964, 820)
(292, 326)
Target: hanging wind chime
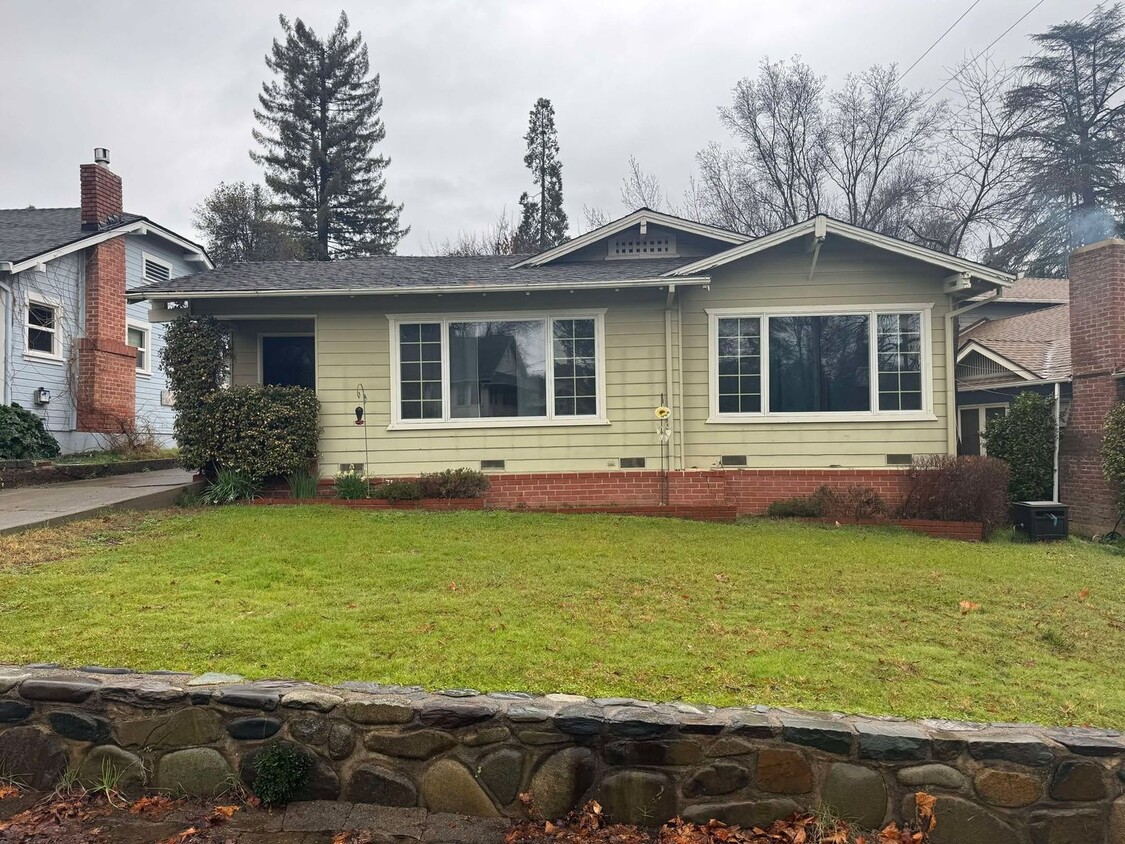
(664, 433)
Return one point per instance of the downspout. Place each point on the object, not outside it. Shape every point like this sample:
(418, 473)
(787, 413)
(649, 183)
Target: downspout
(680, 382)
(668, 380)
(1058, 436)
(7, 309)
(951, 371)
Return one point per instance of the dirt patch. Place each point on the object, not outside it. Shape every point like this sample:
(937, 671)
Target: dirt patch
(75, 539)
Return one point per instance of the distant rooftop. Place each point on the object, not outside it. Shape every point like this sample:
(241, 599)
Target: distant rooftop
(1046, 290)
(1038, 341)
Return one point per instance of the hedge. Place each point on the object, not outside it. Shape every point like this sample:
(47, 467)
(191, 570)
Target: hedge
(23, 437)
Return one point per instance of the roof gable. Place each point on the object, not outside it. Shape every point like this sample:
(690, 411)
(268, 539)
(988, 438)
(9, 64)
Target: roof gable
(642, 217)
(820, 227)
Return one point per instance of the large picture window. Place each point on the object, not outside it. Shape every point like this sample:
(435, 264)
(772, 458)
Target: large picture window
(850, 364)
(524, 369)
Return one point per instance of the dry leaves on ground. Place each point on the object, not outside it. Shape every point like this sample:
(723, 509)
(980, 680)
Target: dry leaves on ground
(590, 825)
(7, 791)
(62, 819)
(968, 607)
(154, 806)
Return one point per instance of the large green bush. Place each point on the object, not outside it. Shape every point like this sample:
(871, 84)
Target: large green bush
(260, 432)
(23, 437)
(1113, 452)
(1025, 439)
(194, 358)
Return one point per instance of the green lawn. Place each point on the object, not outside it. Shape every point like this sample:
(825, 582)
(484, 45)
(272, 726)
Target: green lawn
(760, 612)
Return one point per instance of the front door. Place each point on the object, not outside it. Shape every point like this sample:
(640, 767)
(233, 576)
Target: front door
(289, 360)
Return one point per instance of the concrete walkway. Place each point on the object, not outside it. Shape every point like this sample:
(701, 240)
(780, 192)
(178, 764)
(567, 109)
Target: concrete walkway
(37, 506)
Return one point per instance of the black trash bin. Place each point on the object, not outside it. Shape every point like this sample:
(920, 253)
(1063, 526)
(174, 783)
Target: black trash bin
(1041, 520)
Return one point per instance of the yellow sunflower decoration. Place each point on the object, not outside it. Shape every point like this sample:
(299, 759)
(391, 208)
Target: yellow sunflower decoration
(663, 412)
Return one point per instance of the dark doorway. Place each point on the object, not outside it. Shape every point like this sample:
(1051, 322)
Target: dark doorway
(289, 361)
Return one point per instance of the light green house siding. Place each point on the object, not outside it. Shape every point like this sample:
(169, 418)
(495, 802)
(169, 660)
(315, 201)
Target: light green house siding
(353, 347)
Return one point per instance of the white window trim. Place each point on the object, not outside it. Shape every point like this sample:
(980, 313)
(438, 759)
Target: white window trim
(981, 410)
(148, 256)
(145, 327)
(550, 420)
(926, 414)
(54, 357)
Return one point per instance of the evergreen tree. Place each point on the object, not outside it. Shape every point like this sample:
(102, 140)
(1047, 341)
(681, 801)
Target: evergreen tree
(319, 124)
(542, 219)
(1073, 122)
(239, 224)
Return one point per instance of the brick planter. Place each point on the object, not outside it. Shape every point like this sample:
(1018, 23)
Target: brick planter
(966, 531)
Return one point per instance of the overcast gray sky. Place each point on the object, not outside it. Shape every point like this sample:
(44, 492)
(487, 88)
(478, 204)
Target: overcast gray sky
(169, 88)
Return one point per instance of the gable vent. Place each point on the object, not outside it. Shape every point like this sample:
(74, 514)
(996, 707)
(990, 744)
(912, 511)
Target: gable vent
(155, 271)
(638, 246)
(491, 464)
(732, 460)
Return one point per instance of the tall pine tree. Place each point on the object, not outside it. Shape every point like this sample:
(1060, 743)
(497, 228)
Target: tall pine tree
(1072, 120)
(542, 219)
(320, 123)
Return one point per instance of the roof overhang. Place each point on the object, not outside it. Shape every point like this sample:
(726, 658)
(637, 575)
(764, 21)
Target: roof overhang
(642, 216)
(139, 294)
(194, 252)
(822, 226)
(974, 346)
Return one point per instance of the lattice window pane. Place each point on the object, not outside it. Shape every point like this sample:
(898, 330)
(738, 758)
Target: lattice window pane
(740, 365)
(899, 344)
(420, 371)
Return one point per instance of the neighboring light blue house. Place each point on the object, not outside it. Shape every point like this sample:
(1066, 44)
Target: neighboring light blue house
(71, 349)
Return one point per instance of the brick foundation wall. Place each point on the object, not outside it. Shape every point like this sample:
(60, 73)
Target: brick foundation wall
(750, 490)
(1097, 341)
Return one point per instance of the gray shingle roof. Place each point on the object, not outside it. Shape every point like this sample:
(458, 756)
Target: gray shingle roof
(397, 272)
(27, 232)
(1038, 342)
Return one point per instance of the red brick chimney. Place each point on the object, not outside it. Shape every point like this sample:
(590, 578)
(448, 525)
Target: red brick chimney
(1097, 353)
(106, 395)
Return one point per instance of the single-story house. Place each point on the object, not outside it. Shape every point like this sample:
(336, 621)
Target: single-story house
(71, 350)
(1014, 342)
(821, 353)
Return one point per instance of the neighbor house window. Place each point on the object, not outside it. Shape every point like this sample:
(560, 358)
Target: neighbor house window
(42, 329)
(514, 369)
(137, 337)
(817, 363)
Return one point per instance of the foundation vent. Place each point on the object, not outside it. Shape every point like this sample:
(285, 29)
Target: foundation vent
(631, 462)
(732, 460)
(900, 459)
(356, 468)
(485, 465)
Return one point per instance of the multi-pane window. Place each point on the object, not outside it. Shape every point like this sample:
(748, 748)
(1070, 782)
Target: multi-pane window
(791, 364)
(42, 329)
(419, 354)
(899, 344)
(576, 368)
(137, 337)
(740, 365)
(463, 369)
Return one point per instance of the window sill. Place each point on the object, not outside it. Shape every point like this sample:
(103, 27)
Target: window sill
(143, 374)
(502, 422)
(820, 418)
(43, 357)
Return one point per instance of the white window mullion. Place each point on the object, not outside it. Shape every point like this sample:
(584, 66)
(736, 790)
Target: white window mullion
(873, 366)
(549, 358)
(764, 365)
(446, 387)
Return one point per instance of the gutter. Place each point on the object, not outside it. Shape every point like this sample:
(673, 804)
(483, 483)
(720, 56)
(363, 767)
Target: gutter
(7, 311)
(139, 294)
(668, 380)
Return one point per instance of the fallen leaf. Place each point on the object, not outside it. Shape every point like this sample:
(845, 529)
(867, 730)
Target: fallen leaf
(926, 802)
(1084, 593)
(968, 607)
(7, 791)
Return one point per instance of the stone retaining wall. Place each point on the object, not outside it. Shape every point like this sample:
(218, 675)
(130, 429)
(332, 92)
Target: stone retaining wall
(463, 752)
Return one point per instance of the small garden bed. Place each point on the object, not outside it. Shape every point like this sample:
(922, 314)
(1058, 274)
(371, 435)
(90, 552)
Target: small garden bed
(19, 473)
(377, 504)
(937, 528)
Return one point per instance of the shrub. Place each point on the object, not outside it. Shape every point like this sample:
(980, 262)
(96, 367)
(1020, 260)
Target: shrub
(279, 772)
(302, 484)
(262, 432)
(351, 486)
(1025, 438)
(948, 488)
(1113, 452)
(23, 437)
(194, 359)
(800, 507)
(854, 503)
(454, 483)
(398, 491)
(230, 486)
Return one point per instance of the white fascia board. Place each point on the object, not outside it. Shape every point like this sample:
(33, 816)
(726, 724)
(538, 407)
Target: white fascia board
(642, 215)
(194, 254)
(139, 294)
(995, 357)
(860, 235)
